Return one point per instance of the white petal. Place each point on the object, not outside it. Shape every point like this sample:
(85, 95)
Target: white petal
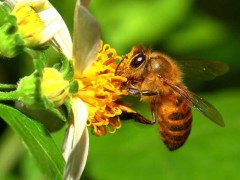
(68, 140)
(76, 126)
(12, 3)
(78, 158)
(86, 39)
(76, 143)
(62, 39)
(80, 114)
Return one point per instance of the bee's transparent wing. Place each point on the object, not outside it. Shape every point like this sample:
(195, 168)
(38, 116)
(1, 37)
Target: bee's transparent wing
(86, 37)
(201, 69)
(199, 103)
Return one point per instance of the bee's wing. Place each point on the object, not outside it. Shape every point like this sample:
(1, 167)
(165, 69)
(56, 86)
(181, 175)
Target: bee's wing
(203, 70)
(199, 103)
(86, 38)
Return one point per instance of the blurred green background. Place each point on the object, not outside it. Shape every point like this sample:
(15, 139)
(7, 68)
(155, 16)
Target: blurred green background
(186, 29)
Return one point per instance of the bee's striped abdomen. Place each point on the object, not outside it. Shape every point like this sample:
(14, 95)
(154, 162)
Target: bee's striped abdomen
(175, 120)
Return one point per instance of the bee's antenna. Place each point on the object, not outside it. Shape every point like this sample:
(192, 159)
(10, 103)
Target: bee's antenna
(119, 65)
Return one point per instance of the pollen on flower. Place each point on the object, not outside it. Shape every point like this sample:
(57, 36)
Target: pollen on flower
(100, 89)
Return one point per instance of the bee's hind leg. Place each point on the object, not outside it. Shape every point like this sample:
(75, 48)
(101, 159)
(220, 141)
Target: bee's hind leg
(136, 117)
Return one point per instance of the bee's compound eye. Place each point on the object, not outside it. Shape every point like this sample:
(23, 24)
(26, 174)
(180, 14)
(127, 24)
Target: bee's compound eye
(138, 60)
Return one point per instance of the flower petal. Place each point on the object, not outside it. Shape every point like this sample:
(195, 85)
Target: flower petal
(62, 39)
(12, 3)
(68, 139)
(86, 38)
(78, 157)
(80, 114)
(76, 143)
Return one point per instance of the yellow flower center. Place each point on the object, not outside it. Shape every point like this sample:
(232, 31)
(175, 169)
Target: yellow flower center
(100, 89)
(30, 25)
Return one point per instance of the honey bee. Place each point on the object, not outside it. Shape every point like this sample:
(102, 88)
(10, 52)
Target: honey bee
(158, 79)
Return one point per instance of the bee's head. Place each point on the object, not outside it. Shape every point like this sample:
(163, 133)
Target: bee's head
(133, 65)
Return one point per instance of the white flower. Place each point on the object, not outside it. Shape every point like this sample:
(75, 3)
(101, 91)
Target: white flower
(86, 39)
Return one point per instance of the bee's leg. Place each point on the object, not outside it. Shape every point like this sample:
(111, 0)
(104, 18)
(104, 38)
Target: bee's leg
(136, 117)
(134, 91)
(148, 93)
(153, 107)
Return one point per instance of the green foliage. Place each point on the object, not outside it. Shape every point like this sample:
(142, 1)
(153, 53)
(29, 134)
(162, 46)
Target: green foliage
(136, 151)
(182, 29)
(134, 22)
(37, 140)
(4, 11)
(11, 43)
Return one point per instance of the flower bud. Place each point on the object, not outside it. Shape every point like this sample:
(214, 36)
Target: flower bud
(54, 87)
(37, 92)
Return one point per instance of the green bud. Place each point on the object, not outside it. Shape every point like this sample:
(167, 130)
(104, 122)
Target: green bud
(11, 42)
(4, 12)
(30, 93)
(39, 92)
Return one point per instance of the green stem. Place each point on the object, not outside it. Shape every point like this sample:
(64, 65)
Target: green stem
(39, 59)
(8, 86)
(13, 95)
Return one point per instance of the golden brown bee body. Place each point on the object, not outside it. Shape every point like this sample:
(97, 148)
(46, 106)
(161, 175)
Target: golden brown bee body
(158, 79)
(175, 120)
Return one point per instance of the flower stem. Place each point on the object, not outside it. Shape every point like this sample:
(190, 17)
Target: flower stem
(8, 86)
(12, 95)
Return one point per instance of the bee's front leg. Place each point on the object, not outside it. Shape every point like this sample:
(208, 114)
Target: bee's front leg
(133, 88)
(134, 91)
(148, 93)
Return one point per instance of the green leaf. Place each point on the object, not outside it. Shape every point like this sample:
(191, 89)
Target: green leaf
(38, 141)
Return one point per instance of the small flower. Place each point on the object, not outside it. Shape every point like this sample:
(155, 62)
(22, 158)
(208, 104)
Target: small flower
(30, 24)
